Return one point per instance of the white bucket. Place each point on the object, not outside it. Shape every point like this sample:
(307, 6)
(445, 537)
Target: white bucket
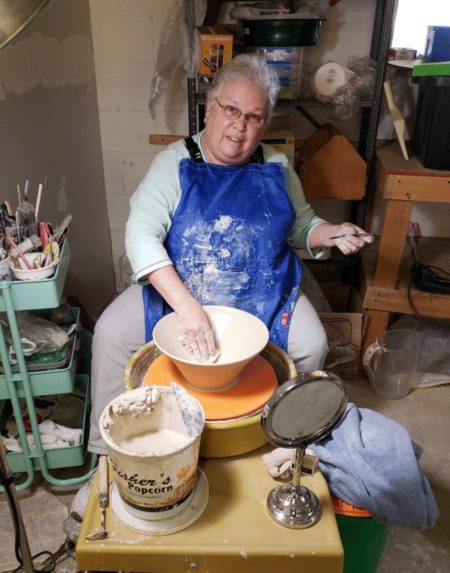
(153, 438)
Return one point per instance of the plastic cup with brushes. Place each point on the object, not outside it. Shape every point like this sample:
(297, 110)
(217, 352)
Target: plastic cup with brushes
(36, 265)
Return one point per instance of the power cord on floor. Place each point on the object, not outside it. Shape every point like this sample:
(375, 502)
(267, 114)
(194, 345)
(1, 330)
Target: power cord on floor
(7, 479)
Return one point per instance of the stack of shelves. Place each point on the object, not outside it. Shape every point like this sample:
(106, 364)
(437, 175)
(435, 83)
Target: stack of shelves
(19, 387)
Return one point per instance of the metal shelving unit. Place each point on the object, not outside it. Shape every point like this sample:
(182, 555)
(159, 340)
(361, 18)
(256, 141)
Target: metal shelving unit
(370, 110)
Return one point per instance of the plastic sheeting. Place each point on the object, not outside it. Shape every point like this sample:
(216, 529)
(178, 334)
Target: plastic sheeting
(178, 48)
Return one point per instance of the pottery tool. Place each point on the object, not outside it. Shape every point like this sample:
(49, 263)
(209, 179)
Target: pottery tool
(351, 235)
(6, 207)
(26, 212)
(38, 201)
(103, 499)
(397, 118)
(62, 229)
(23, 258)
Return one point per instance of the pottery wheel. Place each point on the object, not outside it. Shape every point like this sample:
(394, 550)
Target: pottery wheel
(255, 386)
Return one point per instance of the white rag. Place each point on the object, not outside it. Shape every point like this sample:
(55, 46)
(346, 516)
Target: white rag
(280, 462)
(53, 435)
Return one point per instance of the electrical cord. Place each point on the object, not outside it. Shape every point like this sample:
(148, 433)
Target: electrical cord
(51, 561)
(428, 278)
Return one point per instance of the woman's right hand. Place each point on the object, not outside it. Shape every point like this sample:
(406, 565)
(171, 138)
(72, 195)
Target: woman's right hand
(195, 330)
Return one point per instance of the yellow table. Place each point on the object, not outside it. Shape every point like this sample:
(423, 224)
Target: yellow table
(235, 533)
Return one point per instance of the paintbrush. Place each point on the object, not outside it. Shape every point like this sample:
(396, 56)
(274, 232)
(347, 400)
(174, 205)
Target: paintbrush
(351, 235)
(23, 258)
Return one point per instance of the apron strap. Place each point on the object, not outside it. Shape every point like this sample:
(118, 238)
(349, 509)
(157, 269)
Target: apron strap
(194, 150)
(196, 155)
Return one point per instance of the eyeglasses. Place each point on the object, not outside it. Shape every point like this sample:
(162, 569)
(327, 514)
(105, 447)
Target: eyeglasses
(232, 112)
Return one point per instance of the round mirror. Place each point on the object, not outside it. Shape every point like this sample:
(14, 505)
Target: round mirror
(302, 410)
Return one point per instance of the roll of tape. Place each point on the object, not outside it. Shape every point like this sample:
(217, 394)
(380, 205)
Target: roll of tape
(330, 77)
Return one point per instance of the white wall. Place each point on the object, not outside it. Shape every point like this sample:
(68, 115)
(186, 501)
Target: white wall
(126, 36)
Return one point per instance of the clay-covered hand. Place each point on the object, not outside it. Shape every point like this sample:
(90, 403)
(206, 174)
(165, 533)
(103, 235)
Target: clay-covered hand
(350, 238)
(195, 330)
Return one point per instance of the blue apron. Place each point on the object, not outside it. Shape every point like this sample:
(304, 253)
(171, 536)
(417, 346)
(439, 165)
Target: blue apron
(228, 243)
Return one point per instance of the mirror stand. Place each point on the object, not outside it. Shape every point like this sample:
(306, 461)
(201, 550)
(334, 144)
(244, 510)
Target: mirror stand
(301, 411)
(292, 504)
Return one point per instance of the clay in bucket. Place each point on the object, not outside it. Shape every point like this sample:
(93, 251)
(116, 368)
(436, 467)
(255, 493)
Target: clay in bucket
(153, 438)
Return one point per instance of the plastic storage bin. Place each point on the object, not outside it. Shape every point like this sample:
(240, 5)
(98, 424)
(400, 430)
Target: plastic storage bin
(437, 45)
(287, 62)
(431, 141)
(60, 457)
(289, 30)
(363, 538)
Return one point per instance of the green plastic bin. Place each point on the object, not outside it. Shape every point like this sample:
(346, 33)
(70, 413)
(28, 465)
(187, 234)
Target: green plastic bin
(363, 538)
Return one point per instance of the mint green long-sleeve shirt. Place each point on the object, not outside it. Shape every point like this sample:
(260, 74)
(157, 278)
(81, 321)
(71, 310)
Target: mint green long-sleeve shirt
(157, 196)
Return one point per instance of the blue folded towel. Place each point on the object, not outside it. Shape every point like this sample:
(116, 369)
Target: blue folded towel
(370, 461)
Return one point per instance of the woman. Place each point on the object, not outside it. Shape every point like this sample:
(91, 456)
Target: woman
(213, 222)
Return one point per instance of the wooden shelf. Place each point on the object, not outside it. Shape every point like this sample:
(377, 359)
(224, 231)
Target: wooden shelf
(386, 266)
(433, 251)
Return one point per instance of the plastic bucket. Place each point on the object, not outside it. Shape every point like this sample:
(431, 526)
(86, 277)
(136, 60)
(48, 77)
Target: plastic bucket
(363, 538)
(153, 438)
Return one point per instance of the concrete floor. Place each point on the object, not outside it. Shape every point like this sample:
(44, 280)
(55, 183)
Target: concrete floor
(425, 413)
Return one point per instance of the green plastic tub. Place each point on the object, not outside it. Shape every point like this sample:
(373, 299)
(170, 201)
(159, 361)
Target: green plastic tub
(276, 32)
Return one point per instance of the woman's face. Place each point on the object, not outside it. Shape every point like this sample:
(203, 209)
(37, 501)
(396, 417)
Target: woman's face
(232, 141)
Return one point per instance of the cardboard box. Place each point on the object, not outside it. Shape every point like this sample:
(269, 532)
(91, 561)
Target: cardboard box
(279, 134)
(330, 167)
(216, 48)
(283, 140)
(344, 331)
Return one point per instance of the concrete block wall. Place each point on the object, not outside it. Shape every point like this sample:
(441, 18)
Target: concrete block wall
(126, 36)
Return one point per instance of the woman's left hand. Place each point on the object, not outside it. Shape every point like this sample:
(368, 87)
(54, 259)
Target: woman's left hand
(347, 237)
(350, 238)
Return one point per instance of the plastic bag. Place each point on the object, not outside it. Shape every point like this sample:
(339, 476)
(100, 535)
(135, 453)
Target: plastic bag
(37, 335)
(178, 48)
(347, 98)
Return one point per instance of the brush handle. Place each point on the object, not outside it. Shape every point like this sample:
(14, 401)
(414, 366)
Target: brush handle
(103, 485)
(12, 243)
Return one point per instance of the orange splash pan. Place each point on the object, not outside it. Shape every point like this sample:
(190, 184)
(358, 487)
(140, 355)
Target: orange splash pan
(255, 386)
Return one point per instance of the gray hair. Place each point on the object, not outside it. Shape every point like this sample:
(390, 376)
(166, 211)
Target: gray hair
(251, 68)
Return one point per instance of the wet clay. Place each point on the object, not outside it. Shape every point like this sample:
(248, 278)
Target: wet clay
(156, 443)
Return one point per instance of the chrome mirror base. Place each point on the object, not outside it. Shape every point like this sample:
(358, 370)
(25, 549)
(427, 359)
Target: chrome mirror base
(292, 506)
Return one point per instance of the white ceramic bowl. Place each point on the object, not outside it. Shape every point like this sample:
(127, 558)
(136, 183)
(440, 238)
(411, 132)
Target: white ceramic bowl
(239, 336)
(34, 274)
